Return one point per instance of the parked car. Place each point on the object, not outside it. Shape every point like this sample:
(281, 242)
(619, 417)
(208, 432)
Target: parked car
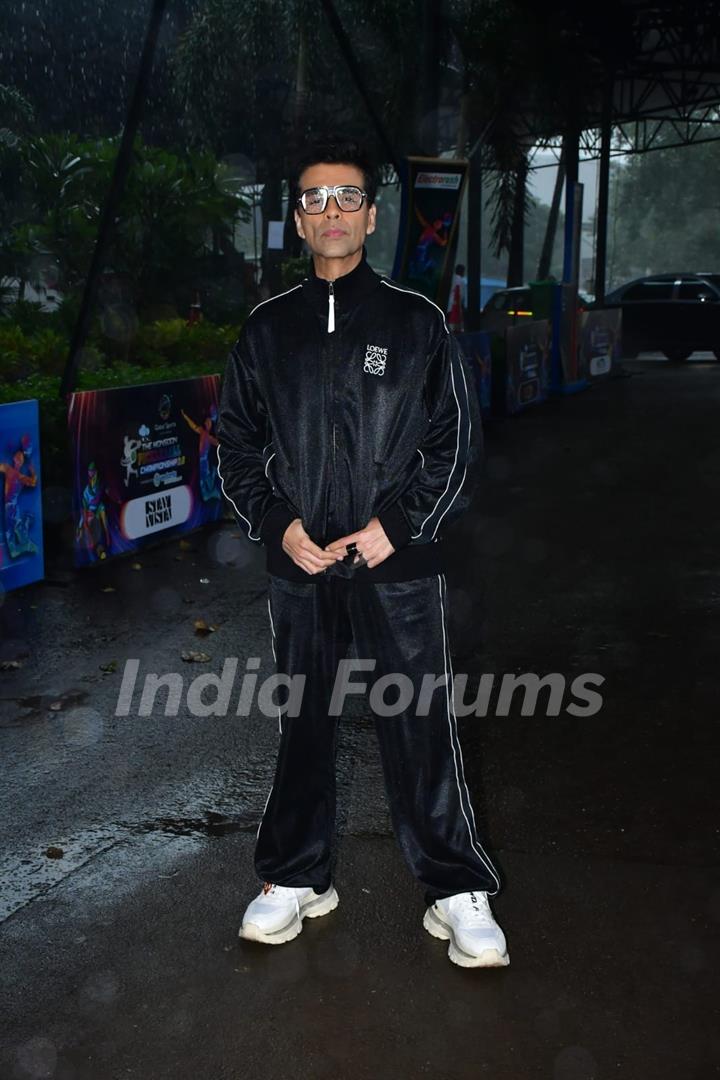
(509, 306)
(671, 313)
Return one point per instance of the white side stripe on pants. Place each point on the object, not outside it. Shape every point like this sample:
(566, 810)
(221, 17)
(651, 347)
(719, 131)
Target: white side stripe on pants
(457, 752)
(272, 642)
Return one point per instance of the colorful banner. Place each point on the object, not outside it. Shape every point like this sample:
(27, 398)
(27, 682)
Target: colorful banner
(527, 351)
(145, 462)
(432, 190)
(476, 347)
(600, 340)
(21, 544)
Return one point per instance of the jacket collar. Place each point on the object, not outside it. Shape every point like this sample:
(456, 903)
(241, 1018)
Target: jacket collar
(348, 290)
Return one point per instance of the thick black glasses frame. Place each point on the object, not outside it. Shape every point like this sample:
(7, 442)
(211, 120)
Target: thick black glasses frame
(327, 192)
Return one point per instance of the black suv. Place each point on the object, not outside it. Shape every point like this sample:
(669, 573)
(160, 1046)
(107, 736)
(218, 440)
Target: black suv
(673, 313)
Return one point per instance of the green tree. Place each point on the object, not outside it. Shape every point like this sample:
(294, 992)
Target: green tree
(170, 207)
(664, 212)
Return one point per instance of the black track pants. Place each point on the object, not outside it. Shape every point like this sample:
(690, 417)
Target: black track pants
(403, 626)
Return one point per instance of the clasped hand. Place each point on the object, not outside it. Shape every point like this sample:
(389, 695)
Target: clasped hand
(373, 547)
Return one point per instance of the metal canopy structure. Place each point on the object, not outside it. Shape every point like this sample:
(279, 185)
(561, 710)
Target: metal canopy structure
(665, 87)
(659, 88)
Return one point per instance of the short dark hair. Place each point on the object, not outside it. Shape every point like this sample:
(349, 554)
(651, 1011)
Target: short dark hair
(337, 149)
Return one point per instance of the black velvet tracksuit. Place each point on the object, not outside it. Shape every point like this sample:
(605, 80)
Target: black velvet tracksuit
(342, 401)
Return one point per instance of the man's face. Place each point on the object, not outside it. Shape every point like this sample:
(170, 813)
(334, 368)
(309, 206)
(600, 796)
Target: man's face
(335, 233)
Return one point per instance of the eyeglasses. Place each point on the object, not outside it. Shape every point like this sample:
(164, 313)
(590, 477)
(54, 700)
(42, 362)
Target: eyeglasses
(347, 196)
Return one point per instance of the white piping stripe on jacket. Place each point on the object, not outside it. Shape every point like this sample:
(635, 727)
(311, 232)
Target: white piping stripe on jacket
(414, 292)
(222, 480)
(239, 514)
(462, 480)
(276, 297)
(457, 447)
(457, 751)
(452, 470)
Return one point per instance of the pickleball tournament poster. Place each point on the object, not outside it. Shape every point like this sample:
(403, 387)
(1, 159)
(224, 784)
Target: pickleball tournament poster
(21, 538)
(144, 464)
(432, 190)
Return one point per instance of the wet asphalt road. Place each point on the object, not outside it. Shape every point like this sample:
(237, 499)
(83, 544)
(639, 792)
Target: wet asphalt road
(595, 549)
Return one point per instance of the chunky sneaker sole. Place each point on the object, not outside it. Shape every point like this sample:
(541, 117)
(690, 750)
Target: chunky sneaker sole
(436, 925)
(312, 908)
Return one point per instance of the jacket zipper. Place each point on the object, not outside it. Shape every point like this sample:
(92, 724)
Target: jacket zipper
(331, 328)
(331, 308)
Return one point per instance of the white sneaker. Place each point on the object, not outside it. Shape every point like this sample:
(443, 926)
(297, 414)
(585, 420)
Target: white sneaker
(276, 914)
(467, 922)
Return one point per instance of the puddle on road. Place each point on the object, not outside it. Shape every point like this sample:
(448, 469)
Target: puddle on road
(38, 706)
(25, 880)
(239, 791)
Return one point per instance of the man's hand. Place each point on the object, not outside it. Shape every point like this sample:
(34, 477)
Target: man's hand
(373, 546)
(308, 556)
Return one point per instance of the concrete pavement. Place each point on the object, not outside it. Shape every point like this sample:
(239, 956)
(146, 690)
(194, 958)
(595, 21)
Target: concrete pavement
(595, 551)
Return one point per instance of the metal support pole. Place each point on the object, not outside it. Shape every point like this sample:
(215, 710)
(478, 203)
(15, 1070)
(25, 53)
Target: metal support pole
(516, 261)
(474, 240)
(545, 263)
(112, 202)
(354, 68)
(571, 146)
(427, 128)
(603, 193)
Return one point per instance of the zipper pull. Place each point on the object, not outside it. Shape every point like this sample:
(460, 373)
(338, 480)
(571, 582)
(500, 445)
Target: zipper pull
(331, 308)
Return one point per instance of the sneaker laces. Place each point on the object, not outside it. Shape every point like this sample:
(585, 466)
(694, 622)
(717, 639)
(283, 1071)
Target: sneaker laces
(476, 906)
(280, 890)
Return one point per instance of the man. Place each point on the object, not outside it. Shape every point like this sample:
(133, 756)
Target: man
(347, 442)
(456, 301)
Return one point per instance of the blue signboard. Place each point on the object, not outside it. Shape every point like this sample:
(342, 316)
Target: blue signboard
(21, 543)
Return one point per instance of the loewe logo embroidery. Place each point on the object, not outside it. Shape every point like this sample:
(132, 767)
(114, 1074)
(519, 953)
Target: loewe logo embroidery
(375, 359)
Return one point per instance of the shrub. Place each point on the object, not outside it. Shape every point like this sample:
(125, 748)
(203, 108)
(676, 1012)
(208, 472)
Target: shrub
(169, 350)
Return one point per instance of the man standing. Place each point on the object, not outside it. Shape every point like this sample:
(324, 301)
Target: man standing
(457, 302)
(347, 441)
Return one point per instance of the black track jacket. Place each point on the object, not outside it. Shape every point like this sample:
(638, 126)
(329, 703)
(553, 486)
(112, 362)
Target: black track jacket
(342, 401)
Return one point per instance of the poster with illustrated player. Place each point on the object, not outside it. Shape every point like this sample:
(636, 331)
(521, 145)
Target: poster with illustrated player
(144, 463)
(432, 190)
(21, 535)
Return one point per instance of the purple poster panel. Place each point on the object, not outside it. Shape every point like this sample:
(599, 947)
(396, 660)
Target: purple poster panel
(21, 543)
(145, 462)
